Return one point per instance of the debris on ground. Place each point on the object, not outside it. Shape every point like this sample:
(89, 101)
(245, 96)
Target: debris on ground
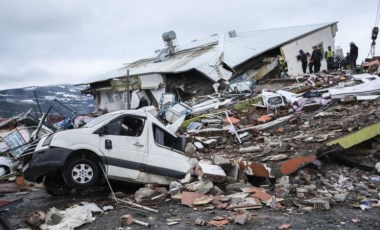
(305, 145)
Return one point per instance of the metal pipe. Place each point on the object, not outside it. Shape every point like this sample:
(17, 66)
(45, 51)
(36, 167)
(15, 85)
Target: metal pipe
(109, 185)
(128, 92)
(38, 103)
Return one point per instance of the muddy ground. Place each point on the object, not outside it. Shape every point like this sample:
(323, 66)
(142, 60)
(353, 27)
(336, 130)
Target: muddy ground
(338, 217)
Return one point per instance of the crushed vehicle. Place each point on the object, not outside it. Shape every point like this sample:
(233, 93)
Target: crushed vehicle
(241, 84)
(129, 145)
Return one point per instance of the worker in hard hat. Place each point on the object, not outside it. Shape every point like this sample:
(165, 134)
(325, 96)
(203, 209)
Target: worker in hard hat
(354, 51)
(329, 55)
(283, 67)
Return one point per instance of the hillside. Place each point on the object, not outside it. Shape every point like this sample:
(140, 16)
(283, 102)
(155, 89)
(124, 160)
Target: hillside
(15, 101)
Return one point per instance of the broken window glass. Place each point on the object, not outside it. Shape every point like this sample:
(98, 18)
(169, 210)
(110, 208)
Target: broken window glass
(126, 126)
(114, 127)
(161, 137)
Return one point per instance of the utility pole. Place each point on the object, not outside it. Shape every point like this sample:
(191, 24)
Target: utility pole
(128, 92)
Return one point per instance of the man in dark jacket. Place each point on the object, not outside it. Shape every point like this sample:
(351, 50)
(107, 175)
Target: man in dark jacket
(347, 63)
(316, 57)
(354, 51)
(303, 60)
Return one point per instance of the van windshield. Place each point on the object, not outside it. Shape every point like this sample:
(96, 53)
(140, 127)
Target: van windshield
(98, 120)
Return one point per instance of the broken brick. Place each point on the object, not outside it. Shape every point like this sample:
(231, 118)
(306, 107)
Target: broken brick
(285, 226)
(187, 198)
(219, 223)
(241, 218)
(202, 200)
(265, 118)
(232, 119)
(262, 196)
(200, 222)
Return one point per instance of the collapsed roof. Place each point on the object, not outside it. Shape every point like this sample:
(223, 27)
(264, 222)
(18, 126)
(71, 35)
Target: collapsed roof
(208, 56)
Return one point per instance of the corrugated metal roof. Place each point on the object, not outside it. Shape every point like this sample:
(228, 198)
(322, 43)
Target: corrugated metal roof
(208, 55)
(204, 58)
(247, 45)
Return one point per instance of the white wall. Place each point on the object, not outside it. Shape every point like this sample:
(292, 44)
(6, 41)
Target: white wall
(110, 106)
(291, 50)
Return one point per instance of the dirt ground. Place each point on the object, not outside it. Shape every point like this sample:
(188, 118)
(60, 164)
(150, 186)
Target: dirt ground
(338, 217)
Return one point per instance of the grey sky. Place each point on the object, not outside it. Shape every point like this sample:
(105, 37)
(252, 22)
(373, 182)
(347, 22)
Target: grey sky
(53, 41)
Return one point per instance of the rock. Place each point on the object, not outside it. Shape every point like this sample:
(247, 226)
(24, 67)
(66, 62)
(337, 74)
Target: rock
(310, 187)
(266, 150)
(340, 197)
(232, 174)
(377, 167)
(248, 143)
(274, 144)
(186, 179)
(202, 200)
(190, 148)
(377, 155)
(234, 188)
(120, 195)
(199, 146)
(250, 149)
(205, 187)
(200, 222)
(36, 219)
(224, 163)
(199, 186)
(194, 161)
(216, 191)
(144, 194)
(208, 172)
(246, 138)
(241, 218)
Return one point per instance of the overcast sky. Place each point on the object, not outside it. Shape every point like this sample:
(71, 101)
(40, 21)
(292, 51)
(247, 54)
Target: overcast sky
(44, 42)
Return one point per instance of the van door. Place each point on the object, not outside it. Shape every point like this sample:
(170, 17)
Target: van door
(124, 146)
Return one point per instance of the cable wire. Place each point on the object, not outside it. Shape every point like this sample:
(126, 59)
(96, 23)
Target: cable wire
(377, 15)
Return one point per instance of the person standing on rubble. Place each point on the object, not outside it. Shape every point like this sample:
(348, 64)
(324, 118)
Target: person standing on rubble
(316, 57)
(347, 63)
(354, 51)
(283, 68)
(303, 59)
(309, 62)
(329, 55)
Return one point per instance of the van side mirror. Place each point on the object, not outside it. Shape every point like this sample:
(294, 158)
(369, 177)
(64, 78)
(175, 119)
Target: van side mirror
(101, 131)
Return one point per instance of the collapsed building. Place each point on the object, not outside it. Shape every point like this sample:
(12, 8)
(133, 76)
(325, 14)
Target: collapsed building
(296, 145)
(192, 69)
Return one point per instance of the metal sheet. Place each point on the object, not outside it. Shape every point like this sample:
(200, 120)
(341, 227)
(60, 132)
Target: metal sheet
(248, 45)
(208, 55)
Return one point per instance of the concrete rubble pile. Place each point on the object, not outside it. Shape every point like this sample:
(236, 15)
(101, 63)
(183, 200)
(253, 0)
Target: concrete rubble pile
(288, 149)
(307, 150)
(303, 144)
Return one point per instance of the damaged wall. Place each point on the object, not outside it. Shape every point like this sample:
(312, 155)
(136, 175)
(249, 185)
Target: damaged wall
(188, 83)
(110, 100)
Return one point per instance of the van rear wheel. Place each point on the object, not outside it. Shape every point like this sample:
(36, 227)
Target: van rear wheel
(81, 174)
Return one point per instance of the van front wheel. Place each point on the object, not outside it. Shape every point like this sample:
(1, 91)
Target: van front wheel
(81, 174)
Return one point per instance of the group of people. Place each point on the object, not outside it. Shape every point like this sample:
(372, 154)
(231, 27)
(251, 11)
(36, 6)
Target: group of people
(313, 60)
(332, 61)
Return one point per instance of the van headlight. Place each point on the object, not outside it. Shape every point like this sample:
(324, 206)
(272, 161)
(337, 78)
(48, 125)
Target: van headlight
(48, 140)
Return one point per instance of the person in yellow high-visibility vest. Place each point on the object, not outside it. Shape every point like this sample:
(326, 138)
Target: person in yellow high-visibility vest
(283, 67)
(329, 55)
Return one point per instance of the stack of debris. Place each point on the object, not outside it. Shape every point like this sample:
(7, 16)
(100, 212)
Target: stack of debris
(308, 145)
